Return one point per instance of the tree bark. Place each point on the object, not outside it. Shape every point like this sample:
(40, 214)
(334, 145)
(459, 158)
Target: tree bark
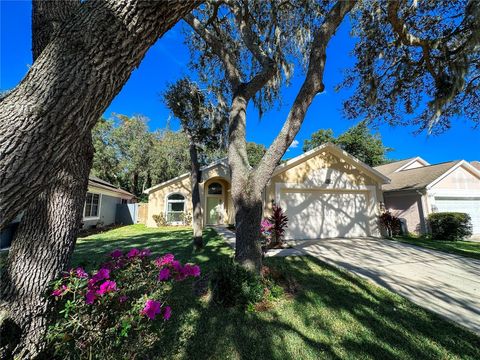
(39, 253)
(196, 205)
(68, 88)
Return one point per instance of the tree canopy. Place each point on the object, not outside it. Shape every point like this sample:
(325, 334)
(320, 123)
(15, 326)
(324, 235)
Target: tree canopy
(358, 141)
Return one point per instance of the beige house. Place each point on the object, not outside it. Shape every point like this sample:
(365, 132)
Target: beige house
(325, 192)
(418, 189)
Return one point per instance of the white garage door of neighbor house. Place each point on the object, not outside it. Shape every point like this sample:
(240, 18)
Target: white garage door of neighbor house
(470, 206)
(320, 214)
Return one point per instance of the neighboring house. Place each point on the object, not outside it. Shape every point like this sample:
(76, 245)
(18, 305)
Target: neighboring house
(418, 189)
(101, 208)
(101, 204)
(325, 192)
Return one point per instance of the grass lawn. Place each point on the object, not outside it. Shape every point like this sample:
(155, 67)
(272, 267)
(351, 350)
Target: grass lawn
(463, 248)
(334, 315)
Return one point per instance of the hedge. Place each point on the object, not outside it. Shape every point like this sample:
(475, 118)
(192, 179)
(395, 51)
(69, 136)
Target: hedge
(450, 225)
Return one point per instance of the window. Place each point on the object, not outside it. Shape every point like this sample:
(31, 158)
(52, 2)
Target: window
(92, 205)
(175, 208)
(215, 189)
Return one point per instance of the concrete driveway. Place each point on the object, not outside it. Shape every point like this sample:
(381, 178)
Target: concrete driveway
(446, 284)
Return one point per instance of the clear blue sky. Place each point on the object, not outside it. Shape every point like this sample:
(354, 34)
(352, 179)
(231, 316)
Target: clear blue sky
(167, 61)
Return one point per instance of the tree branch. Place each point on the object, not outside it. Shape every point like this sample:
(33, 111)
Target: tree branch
(232, 72)
(312, 85)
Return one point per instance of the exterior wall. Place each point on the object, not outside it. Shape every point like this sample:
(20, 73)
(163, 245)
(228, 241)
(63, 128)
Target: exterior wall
(409, 207)
(107, 212)
(315, 171)
(157, 198)
(326, 173)
(459, 179)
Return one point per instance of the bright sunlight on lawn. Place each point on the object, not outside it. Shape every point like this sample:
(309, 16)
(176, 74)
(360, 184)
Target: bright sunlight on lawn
(333, 315)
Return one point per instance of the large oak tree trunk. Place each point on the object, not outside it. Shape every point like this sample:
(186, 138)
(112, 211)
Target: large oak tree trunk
(68, 88)
(39, 253)
(197, 222)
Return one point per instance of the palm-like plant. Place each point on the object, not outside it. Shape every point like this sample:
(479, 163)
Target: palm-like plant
(280, 222)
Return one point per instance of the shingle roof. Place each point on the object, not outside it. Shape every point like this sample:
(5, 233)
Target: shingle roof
(97, 182)
(417, 178)
(475, 164)
(389, 168)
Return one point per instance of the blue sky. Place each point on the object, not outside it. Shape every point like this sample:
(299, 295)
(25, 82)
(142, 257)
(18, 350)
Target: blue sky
(167, 61)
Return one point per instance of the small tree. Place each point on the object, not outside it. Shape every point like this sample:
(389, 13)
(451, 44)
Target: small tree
(202, 122)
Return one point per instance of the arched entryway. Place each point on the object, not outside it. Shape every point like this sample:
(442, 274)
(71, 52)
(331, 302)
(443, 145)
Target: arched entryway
(215, 209)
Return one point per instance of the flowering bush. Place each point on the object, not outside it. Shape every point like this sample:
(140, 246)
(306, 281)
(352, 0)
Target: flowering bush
(120, 307)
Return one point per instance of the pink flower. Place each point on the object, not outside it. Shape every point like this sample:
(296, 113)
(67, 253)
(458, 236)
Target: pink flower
(167, 312)
(164, 260)
(133, 253)
(80, 273)
(101, 274)
(106, 287)
(90, 297)
(164, 274)
(176, 265)
(145, 252)
(191, 270)
(60, 291)
(123, 298)
(117, 253)
(151, 309)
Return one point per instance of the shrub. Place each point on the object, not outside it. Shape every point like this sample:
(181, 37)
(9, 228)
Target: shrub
(233, 285)
(390, 223)
(186, 218)
(279, 222)
(450, 225)
(160, 220)
(120, 309)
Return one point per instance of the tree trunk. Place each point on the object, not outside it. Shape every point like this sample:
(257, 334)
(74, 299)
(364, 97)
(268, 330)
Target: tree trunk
(247, 201)
(68, 88)
(39, 253)
(196, 205)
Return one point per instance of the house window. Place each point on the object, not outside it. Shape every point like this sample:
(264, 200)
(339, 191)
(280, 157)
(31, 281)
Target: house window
(215, 188)
(92, 205)
(175, 208)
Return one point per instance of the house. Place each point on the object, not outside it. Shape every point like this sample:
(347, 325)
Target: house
(103, 206)
(326, 193)
(418, 189)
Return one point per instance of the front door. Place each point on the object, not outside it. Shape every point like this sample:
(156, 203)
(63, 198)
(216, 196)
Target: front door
(215, 210)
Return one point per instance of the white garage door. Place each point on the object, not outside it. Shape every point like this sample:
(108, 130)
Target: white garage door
(470, 206)
(319, 214)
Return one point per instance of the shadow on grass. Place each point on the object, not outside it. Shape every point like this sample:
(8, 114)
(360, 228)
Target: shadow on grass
(335, 315)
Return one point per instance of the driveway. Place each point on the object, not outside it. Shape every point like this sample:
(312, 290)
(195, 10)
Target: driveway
(446, 284)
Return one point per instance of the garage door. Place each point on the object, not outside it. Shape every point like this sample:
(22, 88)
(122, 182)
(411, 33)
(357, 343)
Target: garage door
(320, 214)
(470, 206)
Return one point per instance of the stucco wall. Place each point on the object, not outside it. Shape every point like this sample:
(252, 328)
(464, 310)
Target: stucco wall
(108, 210)
(459, 179)
(407, 206)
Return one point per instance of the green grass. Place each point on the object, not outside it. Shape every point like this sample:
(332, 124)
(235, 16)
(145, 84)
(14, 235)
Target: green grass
(334, 315)
(469, 249)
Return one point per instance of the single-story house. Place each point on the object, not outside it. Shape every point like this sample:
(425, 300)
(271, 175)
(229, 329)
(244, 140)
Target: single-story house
(101, 208)
(101, 204)
(325, 192)
(418, 189)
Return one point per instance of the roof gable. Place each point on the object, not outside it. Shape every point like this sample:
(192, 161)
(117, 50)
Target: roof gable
(401, 165)
(335, 150)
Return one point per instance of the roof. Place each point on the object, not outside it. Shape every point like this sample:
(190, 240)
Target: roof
(417, 178)
(220, 162)
(99, 183)
(389, 168)
(475, 164)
